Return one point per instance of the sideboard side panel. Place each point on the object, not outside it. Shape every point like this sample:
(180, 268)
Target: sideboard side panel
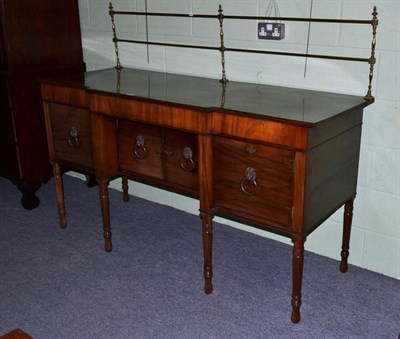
(331, 173)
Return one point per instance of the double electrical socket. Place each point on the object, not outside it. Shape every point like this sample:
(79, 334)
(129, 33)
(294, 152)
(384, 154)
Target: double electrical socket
(271, 30)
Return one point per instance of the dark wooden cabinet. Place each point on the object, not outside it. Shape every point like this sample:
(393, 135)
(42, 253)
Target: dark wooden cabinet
(38, 39)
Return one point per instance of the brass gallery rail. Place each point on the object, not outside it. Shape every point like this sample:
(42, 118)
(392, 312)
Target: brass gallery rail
(371, 60)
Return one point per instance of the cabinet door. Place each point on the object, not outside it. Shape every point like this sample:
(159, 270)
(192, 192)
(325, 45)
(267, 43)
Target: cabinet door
(253, 182)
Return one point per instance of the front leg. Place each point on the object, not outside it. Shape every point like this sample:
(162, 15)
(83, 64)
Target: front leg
(58, 181)
(105, 211)
(206, 202)
(297, 274)
(347, 220)
(207, 249)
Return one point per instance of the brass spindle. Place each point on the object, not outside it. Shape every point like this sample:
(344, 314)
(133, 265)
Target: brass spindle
(115, 39)
(223, 94)
(372, 60)
(224, 80)
(118, 70)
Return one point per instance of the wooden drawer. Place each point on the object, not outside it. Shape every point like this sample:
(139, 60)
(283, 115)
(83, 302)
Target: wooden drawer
(181, 158)
(152, 152)
(253, 182)
(138, 146)
(72, 136)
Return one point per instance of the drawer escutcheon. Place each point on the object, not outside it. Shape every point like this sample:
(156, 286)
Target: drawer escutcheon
(251, 149)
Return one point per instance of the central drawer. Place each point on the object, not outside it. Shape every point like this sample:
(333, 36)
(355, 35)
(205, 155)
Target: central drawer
(159, 155)
(253, 182)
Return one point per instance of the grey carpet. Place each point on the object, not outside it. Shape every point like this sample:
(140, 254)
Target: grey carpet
(61, 283)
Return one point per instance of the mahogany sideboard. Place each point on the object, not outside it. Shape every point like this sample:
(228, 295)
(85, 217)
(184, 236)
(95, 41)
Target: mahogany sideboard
(38, 39)
(277, 158)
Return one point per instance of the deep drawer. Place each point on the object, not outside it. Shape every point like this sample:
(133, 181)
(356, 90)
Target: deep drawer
(253, 182)
(72, 135)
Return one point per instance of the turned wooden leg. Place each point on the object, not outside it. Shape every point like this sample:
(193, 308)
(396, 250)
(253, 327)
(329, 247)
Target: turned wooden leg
(298, 259)
(125, 189)
(58, 181)
(347, 220)
(207, 248)
(205, 143)
(105, 211)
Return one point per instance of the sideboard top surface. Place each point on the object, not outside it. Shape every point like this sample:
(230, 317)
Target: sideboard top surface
(299, 106)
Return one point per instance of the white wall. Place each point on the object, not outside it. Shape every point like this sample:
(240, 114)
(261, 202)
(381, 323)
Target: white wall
(375, 242)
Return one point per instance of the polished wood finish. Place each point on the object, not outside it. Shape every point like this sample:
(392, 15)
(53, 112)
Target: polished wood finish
(38, 39)
(276, 158)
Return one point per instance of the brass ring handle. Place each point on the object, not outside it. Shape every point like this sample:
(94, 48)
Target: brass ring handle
(140, 149)
(73, 137)
(249, 183)
(186, 161)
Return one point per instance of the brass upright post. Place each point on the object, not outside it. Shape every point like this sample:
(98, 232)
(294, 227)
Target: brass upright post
(224, 80)
(372, 60)
(115, 39)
